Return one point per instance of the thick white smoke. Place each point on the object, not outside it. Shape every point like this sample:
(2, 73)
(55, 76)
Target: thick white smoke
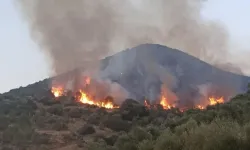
(76, 31)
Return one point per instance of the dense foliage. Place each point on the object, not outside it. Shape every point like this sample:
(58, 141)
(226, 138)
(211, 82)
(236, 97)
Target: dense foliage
(31, 123)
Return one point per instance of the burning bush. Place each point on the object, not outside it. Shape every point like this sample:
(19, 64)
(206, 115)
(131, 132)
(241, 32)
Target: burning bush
(95, 93)
(87, 91)
(134, 125)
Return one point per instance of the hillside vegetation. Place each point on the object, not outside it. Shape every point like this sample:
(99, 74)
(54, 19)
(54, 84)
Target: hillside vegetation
(33, 123)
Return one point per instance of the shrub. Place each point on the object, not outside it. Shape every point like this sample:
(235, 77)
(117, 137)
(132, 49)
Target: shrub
(131, 109)
(124, 142)
(154, 131)
(40, 138)
(218, 135)
(168, 141)
(191, 124)
(48, 101)
(146, 145)
(94, 119)
(143, 121)
(110, 140)
(17, 135)
(86, 129)
(98, 146)
(117, 124)
(4, 122)
(247, 134)
(6, 148)
(59, 126)
(56, 109)
(75, 113)
(39, 121)
(140, 134)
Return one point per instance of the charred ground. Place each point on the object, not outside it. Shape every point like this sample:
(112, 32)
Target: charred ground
(32, 118)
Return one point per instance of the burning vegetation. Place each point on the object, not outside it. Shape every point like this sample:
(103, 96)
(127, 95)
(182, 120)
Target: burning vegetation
(210, 101)
(214, 100)
(62, 120)
(60, 124)
(165, 104)
(85, 97)
(57, 91)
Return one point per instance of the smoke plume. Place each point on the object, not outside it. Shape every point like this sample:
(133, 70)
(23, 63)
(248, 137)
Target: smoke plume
(73, 32)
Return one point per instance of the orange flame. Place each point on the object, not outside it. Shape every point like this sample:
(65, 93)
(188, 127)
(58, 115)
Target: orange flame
(200, 107)
(85, 99)
(214, 101)
(57, 91)
(165, 103)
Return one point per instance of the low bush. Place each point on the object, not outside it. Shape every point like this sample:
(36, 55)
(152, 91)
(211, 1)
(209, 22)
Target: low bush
(56, 109)
(115, 123)
(86, 129)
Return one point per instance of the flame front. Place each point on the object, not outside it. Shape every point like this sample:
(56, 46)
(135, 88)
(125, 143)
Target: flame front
(200, 107)
(214, 101)
(85, 99)
(165, 103)
(57, 91)
(211, 101)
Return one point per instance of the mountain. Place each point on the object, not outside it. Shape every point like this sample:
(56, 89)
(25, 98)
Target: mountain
(142, 70)
(31, 118)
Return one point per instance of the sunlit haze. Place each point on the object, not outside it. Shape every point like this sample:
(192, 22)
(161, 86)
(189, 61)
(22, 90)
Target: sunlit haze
(22, 63)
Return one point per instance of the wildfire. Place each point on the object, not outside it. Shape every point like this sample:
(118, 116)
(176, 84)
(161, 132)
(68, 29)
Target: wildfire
(200, 107)
(214, 101)
(165, 103)
(211, 101)
(57, 91)
(85, 99)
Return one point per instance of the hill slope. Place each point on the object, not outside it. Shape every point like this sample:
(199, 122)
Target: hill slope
(144, 65)
(142, 69)
(30, 118)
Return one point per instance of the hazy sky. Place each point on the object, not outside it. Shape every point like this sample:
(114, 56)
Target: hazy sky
(22, 63)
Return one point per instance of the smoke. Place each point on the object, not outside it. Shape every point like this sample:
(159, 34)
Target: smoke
(75, 32)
